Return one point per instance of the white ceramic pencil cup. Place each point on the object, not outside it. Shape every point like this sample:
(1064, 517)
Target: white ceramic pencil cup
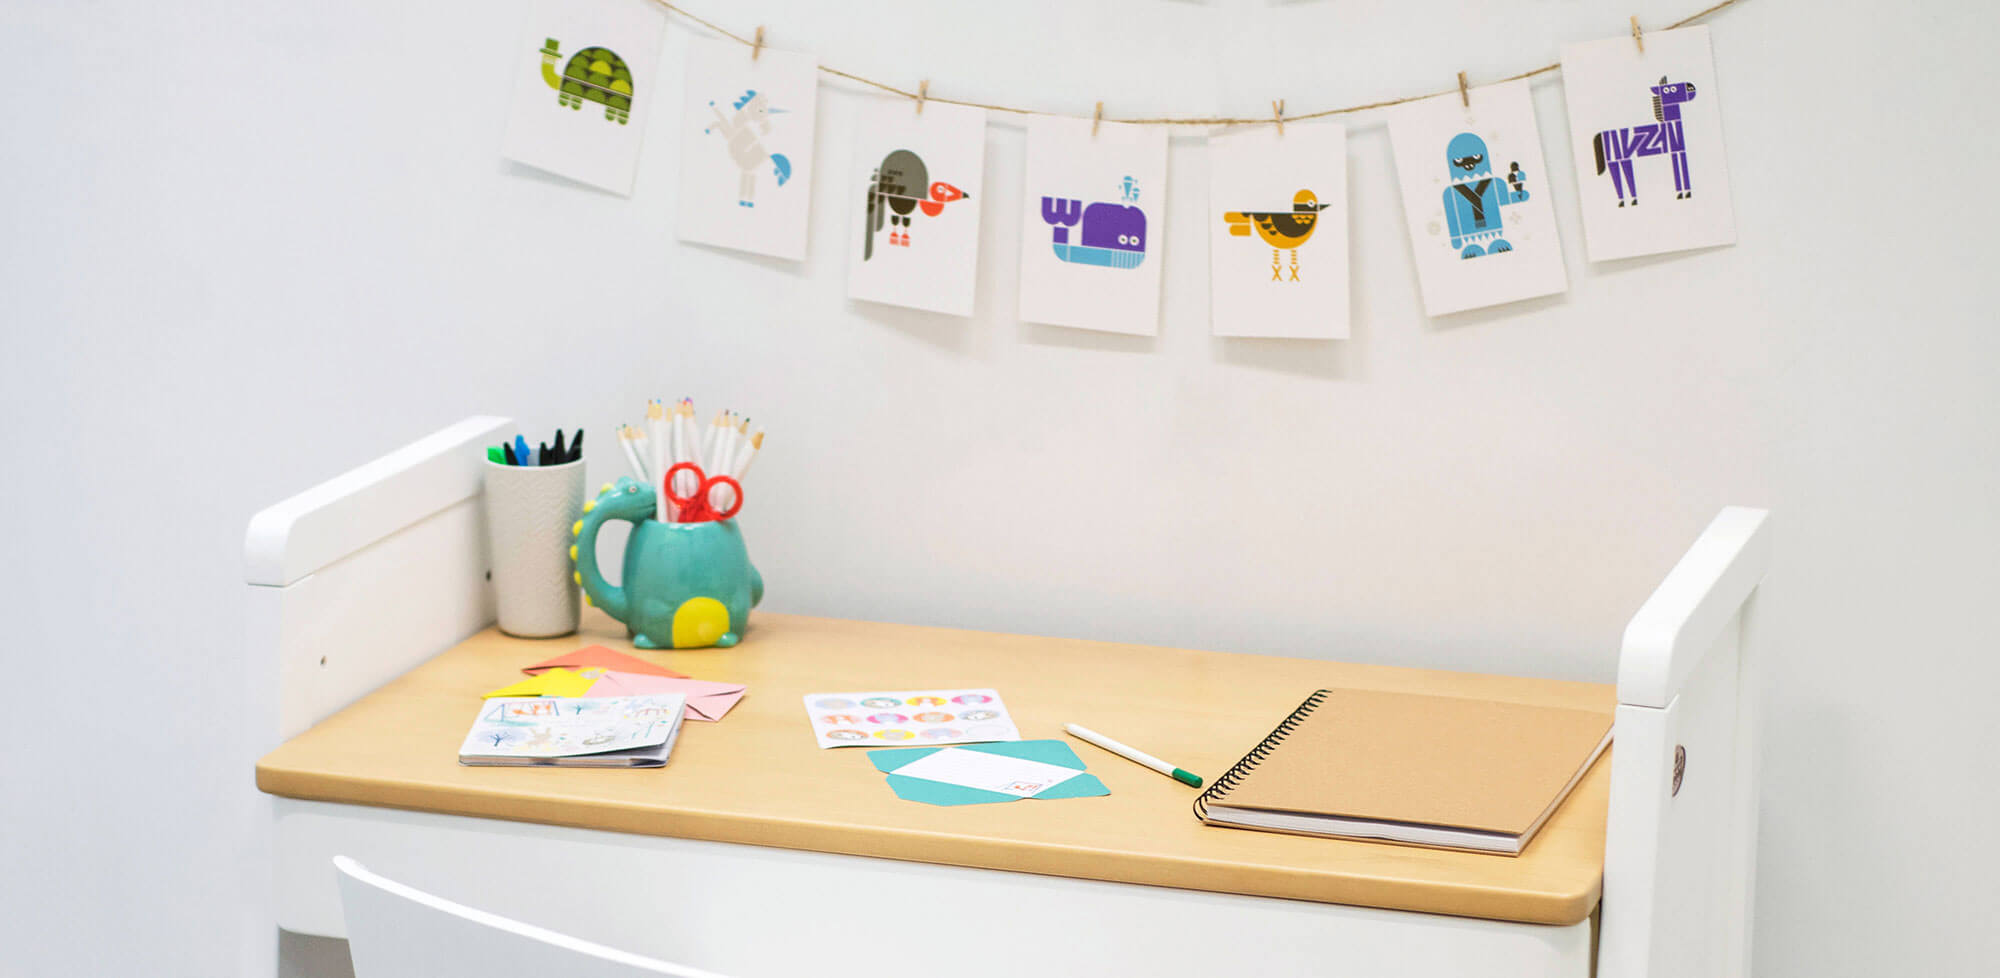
(529, 512)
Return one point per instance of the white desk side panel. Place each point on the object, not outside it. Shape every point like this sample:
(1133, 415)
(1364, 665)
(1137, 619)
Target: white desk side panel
(751, 911)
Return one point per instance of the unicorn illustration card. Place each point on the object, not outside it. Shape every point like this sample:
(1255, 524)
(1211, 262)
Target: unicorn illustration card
(1277, 231)
(747, 148)
(1091, 225)
(1646, 129)
(583, 89)
(1476, 198)
(916, 189)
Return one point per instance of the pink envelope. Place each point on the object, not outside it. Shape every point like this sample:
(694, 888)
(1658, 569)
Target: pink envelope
(705, 700)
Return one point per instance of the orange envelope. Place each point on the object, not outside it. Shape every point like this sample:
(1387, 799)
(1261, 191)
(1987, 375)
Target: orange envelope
(705, 700)
(599, 657)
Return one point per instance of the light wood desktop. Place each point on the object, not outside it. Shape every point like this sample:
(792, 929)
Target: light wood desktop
(757, 777)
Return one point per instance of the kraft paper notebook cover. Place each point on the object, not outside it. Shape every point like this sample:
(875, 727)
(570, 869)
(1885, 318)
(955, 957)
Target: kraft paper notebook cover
(1404, 767)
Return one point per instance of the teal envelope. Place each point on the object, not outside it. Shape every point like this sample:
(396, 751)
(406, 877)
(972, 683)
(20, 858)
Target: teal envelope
(938, 793)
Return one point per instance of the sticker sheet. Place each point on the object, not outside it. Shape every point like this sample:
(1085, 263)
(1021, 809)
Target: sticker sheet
(583, 87)
(1091, 225)
(1646, 129)
(911, 716)
(1277, 218)
(1476, 198)
(542, 726)
(747, 148)
(917, 193)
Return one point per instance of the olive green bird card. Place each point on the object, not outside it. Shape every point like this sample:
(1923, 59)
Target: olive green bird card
(1645, 127)
(916, 189)
(1476, 198)
(1277, 231)
(583, 89)
(747, 148)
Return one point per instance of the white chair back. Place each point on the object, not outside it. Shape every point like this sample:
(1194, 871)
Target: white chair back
(398, 931)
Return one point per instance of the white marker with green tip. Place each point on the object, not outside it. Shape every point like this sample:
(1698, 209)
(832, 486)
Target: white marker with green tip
(1135, 756)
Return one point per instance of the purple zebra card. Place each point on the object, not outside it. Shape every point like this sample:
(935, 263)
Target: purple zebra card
(1646, 128)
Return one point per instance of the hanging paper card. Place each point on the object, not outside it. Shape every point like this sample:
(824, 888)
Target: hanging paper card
(747, 148)
(1091, 225)
(1646, 129)
(1277, 217)
(1476, 198)
(583, 87)
(915, 226)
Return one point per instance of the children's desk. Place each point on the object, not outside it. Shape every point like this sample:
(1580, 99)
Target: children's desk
(756, 853)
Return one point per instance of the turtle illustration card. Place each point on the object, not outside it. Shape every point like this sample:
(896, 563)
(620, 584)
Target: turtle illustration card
(747, 148)
(1646, 129)
(915, 223)
(1277, 219)
(583, 87)
(1476, 198)
(1091, 225)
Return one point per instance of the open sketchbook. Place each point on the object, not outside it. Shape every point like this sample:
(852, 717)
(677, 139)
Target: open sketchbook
(612, 731)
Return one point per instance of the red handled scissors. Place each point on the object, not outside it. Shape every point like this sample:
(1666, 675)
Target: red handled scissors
(695, 507)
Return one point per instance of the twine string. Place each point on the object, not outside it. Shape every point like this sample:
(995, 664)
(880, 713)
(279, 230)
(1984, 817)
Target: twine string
(921, 97)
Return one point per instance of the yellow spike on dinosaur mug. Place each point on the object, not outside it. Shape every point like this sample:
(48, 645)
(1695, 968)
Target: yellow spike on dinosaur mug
(588, 602)
(578, 575)
(601, 490)
(572, 553)
(589, 504)
(576, 529)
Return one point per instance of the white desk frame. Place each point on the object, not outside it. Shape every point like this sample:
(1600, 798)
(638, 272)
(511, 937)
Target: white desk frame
(360, 579)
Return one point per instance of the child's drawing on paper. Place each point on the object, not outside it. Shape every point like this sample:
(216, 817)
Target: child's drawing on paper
(897, 189)
(743, 134)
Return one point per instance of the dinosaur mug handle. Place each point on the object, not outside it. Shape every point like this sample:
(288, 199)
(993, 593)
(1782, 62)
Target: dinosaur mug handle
(597, 512)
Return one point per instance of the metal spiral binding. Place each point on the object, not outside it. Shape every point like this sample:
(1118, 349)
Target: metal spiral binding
(1236, 774)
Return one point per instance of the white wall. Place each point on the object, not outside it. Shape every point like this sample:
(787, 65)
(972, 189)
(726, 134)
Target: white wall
(249, 245)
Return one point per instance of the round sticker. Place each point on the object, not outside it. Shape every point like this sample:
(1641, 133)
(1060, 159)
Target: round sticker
(833, 703)
(940, 733)
(888, 718)
(977, 715)
(846, 735)
(840, 718)
(894, 734)
(933, 717)
(968, 699)
(881, 702)
(926, 701)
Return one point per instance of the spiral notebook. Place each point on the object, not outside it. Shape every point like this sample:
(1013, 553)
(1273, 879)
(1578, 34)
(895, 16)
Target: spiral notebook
(1437, 771)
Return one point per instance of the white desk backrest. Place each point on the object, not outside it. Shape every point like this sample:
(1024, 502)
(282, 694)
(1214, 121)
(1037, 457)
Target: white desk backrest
(1681, 841)
(356, 580)
(398, 931)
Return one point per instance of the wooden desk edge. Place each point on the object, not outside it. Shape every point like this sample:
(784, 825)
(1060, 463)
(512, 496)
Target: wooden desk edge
(942, 849)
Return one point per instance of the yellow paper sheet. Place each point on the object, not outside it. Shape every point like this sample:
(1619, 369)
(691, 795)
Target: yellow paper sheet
(555, 682)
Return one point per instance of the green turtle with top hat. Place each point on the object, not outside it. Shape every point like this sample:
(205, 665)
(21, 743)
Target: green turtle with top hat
(592, 75)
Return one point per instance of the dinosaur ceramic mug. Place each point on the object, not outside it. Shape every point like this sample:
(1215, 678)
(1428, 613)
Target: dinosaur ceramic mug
(685, 586)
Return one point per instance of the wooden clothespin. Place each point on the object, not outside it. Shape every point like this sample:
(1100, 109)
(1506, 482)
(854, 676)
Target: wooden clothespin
(1463, 98)
(923, 92)
(1096, 120)
(1636, 37)
(757, 46)
(1278, 114)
